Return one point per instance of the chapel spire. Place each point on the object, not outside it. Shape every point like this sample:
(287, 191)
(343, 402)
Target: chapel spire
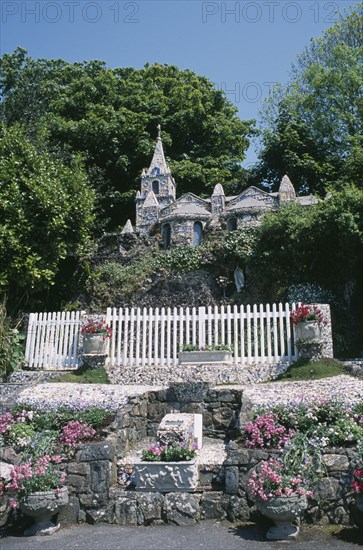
(158, 166)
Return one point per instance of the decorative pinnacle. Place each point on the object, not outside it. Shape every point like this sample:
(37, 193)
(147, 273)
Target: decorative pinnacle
(159, 131)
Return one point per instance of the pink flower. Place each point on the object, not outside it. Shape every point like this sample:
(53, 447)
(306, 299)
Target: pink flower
(13, 503)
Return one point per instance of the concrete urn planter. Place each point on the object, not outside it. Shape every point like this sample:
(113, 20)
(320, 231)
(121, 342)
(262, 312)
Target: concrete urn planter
(308, 330)
(42, 507)
(95, 344)
(204, 357)
(166, 476)
(282, 510)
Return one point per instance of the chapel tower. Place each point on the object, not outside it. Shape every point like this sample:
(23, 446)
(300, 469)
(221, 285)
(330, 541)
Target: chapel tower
(157, 189)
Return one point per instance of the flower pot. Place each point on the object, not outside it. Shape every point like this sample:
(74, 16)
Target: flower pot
(42, 507)
(204, 357)
(95, 344)
(308, 330)
(166, 476)
(282, 510)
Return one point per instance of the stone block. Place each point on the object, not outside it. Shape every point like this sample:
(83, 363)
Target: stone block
(238, 509)
(206, 478)
(339, 516)
(100, 473)
(5, 510)
(78, 484)
(156, 411)
(69, 513)
(336, 463)
(96, 451)
(189, 392)
(182, 508)
(5, 470)
(126, 513)
(231, 480)
(192, 408)
(77, 468)
(151, 507)
(88, 500)
(211, 506)
(327, 489)
(97, 516)
(240, 457)
(213, 405)
(226, 397)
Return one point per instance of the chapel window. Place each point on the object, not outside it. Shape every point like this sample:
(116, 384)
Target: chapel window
(166, 235)
(197, 234)
(155, 187)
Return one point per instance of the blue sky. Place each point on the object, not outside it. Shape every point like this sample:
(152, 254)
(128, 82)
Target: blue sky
(243, 46)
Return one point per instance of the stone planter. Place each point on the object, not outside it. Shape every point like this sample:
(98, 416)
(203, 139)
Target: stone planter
(308, 330)
(166, 476)
(95, 344)
(42, 507)
(282, 510)
(204, 357)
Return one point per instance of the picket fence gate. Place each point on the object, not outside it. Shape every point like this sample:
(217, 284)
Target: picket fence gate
(257, 334)
(53, 340)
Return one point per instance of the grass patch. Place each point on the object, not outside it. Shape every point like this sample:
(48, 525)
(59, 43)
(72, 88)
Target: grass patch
(303, 369)
(84, 375)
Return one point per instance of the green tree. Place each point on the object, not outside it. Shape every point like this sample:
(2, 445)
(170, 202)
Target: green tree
(322, 244)
(313, 127)
(110, 116)
(45, 216)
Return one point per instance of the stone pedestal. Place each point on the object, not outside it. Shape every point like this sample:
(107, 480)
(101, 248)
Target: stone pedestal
(181, 427)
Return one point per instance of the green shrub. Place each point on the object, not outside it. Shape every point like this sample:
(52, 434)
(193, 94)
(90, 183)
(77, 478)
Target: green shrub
(41, 444)
(95, 417)
(180, 259)
(21, 434)
(11, 345)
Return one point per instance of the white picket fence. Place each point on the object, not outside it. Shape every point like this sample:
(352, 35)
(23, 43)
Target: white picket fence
(258, 334)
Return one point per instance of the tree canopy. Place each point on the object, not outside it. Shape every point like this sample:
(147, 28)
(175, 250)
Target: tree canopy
(313, 127)
(45, 215)
(110, 117)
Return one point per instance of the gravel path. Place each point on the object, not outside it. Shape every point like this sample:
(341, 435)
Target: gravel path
(343, 388)
(346, 388)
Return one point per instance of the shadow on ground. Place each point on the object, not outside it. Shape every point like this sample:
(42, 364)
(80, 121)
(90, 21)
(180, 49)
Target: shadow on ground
(350, 534)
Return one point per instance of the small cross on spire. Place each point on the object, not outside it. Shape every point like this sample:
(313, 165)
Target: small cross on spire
(159, 130)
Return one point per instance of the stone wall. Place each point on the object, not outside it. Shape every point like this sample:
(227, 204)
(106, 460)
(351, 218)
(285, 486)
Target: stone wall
(222, 492)
(333, 500)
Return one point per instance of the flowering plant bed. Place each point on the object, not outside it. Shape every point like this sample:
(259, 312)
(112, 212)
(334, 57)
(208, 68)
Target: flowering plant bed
(271, 479)
(174, 452)
(43, 474)
(34, 433)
